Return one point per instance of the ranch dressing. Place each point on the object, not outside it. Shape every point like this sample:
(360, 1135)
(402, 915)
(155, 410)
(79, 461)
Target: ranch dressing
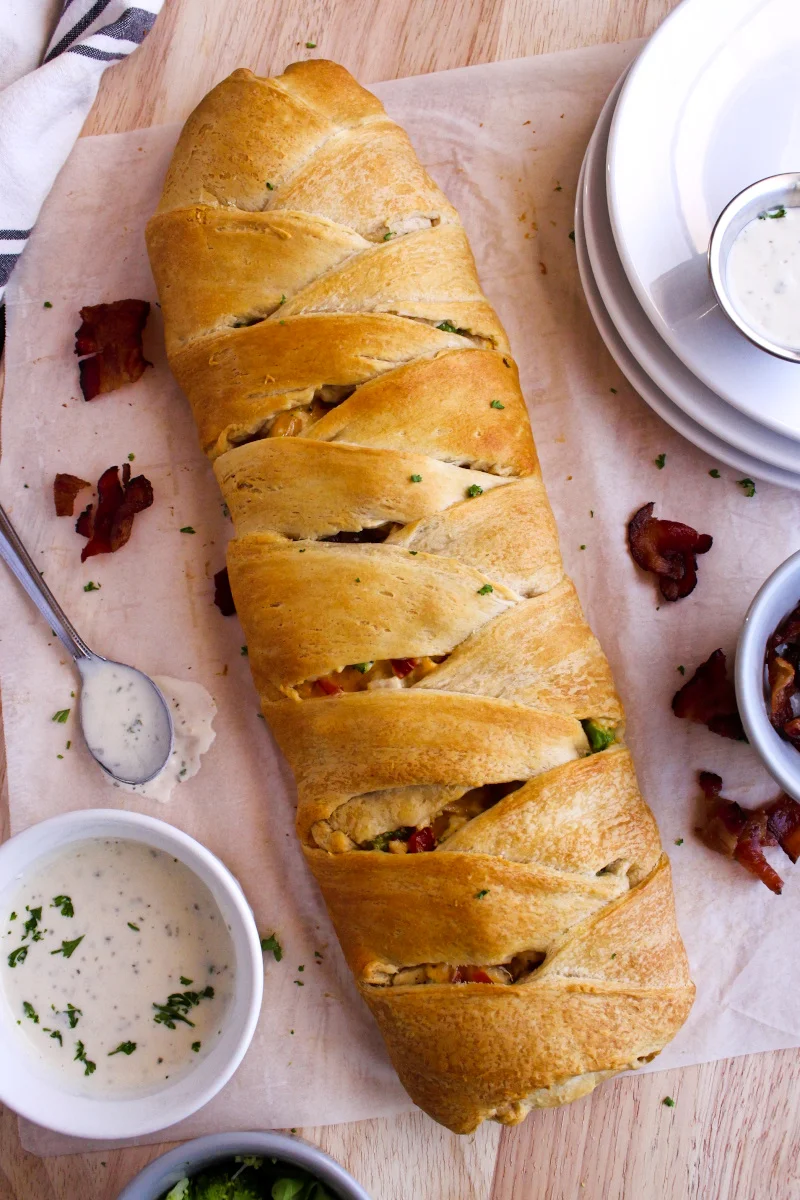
(193, 710)
(123, 718)
(763, 275)
(105, 931)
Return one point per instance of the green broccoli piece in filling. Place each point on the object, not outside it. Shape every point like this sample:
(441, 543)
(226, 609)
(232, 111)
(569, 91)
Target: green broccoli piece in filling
(599, 736)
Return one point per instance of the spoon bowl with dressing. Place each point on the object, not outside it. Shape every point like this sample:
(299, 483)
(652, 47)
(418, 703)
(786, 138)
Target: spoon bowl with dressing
(754, 264)
(125, 718)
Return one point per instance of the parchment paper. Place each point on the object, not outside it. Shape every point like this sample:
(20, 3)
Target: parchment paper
(505, 141)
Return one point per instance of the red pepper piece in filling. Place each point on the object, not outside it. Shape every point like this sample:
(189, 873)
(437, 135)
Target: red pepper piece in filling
(328, 686)
(467, 974)
(421, 839)
(403, 666)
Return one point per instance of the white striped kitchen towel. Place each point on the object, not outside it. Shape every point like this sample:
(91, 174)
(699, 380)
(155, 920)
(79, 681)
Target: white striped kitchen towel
(48, 80)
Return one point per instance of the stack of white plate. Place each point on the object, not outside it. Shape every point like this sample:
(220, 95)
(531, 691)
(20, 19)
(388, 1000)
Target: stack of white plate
(711, 105)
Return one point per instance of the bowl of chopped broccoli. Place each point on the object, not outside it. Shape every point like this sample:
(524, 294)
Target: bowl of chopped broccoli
(244, 1166)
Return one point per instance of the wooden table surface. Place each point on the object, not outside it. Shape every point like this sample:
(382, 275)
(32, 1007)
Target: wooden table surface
(734, 1129)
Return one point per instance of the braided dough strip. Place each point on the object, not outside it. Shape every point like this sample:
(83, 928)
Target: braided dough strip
(422, 660)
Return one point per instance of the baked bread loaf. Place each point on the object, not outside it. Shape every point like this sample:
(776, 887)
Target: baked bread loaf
(498, 888)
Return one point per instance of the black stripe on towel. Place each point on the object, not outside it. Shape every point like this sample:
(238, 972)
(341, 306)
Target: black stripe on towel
(100, 55)
(7, 264)
(133, 26)
(14, 235)
(78, 28)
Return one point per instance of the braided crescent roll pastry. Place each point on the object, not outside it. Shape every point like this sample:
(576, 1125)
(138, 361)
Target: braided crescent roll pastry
(498, 888)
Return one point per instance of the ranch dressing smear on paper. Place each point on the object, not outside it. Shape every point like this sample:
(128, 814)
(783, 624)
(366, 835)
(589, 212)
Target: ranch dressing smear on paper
(116, 964)
(763, 275)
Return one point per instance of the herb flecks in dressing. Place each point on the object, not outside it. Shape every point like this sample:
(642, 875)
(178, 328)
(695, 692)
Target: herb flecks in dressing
(123, 719)
(763, 275)
(98, 1002)
(193, 710)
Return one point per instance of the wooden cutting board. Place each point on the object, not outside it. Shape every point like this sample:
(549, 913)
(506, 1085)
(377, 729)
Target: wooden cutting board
(733, 1132)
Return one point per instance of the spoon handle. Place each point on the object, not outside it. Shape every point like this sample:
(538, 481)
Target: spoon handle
(20, 563)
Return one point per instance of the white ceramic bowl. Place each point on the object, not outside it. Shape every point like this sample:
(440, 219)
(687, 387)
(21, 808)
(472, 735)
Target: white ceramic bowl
(774, 600)
(193, 1157)
(35, 1093)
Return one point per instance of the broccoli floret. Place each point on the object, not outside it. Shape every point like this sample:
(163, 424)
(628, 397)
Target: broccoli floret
(179, 1192)
(219, 1186)
(599, 736)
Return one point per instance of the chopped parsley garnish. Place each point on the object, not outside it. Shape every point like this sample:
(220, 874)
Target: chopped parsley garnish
(363, 667)
(69, 948)
(572, 235)
(389, 234)
(32, 923)
(47, 304)
(73, 1014)
(30, 1011)
(678, 841)
(61, 716)
(80, 1056)
(270, 186)
(416, 479)
(18, 956)
(506, 363)
(747, 486)
(177, 1005)
(311, 45)
(271, 943)
(91, 586)
(135, 929)
(186, 982)
(64, 902)
(660, 460)
(773, 213)
(682, 669)
(187, 529)
(131, 457)
(613, 391)
(484, 591)
(714, 473)
(483, 892)
(282, 299)
(196, 1046)
(582, 546)
(299, 982)
(244, 652)
(123, 1048)
(496, 404)
(447, 326)
(668, 1102)
(475, 489)
(54, 1033)
(13, 917)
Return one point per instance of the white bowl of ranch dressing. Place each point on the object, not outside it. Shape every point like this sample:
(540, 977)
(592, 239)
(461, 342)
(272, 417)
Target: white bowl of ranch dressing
(131, 974)
(754, 263)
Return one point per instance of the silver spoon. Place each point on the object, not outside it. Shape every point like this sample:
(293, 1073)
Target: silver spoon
(144, 743)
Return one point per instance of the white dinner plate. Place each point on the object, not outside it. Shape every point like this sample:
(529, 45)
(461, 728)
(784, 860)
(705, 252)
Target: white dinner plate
(650, 393)
(711, 105)
(665, 369)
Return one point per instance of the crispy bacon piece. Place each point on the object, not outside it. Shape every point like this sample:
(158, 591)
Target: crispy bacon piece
(65, 489)
(403, 666)
(112, 334)
(108, 527)
(782, 687)
(749, 854)
(223, 596)
(421, 840)
(709, 699)
(742, 834)
(783, 822)
(329, 687)
(468, 974)
(667, 549)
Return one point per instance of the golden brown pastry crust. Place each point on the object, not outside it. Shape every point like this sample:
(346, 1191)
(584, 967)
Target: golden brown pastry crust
(422, 659)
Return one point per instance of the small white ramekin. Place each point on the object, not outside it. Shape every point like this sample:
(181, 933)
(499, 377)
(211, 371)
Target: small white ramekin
(774, 600)
(38, 1095)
